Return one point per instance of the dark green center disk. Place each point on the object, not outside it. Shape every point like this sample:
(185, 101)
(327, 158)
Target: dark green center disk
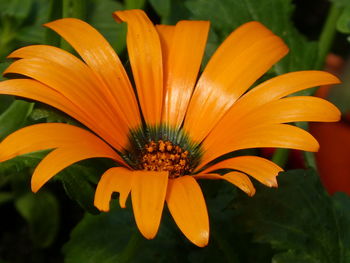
(162, 148)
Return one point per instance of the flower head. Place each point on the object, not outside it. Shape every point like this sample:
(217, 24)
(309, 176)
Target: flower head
(185, 122)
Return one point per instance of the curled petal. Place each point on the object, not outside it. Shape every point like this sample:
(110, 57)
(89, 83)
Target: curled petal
(264, 136)
(63, 157)
(264, 93)
(116, 179)
(51, 135)
(238, 179)
(261, 169)
(292, 109)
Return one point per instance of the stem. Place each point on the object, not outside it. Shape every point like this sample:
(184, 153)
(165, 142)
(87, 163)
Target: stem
(280, 156)
(324, 45)
(327, 35)
(310, 160)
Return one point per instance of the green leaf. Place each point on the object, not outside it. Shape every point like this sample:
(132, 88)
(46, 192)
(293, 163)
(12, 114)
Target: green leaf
(5, 197)
(340, 2)
(292, 256)
(162, 7)
(343, 24)
(3, 66)
(41, 212)
(5, 102)
(170, 11)
(299, 219)
(34, 32)
(44, 112)
(21, 163)
(134, 4)
(275, 14)
(342, 209)
(99, 238)
(77, 181)
(113, 237)
(16, 8)
(17, 171)
(14, 117)
(100, 17)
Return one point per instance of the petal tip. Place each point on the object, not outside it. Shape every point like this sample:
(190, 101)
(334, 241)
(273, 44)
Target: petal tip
(272, 183)
(122, 203)
(34, 186)
(101, 207)
(202, 239)
(148, 233)
(335, 79)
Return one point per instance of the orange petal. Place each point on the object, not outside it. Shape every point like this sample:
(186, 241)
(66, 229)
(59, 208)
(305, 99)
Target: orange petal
(292, 109)
(67, 62)
(238, 179)
(279, 87)
(266, 92)
(116, 179)
(63, 157)
(61, 57)
(181, 66)
(146, 62)
(261, 169)
(102, 59)
(34, 90)
(84, 94)
(187, 206)
(241, 59)
(51, 135)
(148, 192)
(166, 34)
(274, 135)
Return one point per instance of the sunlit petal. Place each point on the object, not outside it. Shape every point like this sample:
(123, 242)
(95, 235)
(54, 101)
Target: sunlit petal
(62, 79)
(182, 56)
(274, 135)
(61, 158)
(261, 169)
(187, 206)
(146, 62)
(266, 92)
(229, 73)
(51, 135)
(148, 192)
(102, 59)
(238, 179)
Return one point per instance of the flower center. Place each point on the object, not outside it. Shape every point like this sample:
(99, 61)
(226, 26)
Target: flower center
(165, 156)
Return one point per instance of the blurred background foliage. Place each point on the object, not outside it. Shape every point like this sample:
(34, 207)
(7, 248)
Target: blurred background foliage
(298, 222)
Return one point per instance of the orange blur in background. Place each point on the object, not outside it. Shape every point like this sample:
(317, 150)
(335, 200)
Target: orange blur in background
(333, 158)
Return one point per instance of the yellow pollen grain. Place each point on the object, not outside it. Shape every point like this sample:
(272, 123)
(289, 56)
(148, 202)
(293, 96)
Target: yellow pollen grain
(164, 156)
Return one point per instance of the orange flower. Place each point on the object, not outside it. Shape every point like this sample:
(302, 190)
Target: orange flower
(184, 123)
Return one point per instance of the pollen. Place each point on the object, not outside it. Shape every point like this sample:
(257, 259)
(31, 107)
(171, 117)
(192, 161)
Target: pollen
(165, 156)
